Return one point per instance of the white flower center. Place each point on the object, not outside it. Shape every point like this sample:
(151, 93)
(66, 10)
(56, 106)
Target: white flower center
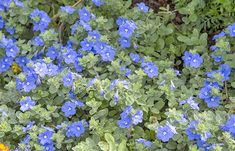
(164, 133)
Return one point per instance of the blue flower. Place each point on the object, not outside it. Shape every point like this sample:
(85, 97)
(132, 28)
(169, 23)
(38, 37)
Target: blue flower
(164, 133)
(69, 56)
(19, 3)
(26, 104)
(125, 122)
(29, 84)
(98, 2)
(121, 20)
(212, 102)
(150, 69)
(41, 69)
(113, 84)
(10, 30)
(25, 140)
(190, 131)
(77, 66)
(137, 117)
(45, 137)
(135, 57)
(40, 20)
(49, 147)
(10, 47)
(219, 35)
(74, 27)
(192, 60)
(68, 79)
(125, 42)
(231, 29)
(52, 52)
(84, 15)
(142, 7)
(126, 112)
(95, 35)
(4, 4)
(85, 25)
(146, 142)
(230, 125)
(116, 97)
(5, 64)
(126, 30)
(127, 71)
(69, 108)
(28, 126)
(67, 9)
(52, 69)
(38, 41)
(216, 58)
(86, 45)
(22, 61)
(192, 103)
(205, 93)
(75, 129)
(2, 22)
(108, 53)
(225, 71)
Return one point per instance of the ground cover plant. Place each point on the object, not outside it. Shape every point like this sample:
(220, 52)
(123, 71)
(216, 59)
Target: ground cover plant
(117, 75)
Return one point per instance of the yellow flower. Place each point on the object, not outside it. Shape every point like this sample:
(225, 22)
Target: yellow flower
(3, 147)
(15, 68)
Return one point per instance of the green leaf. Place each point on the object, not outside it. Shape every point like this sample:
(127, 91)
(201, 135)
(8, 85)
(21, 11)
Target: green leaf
(109, 138)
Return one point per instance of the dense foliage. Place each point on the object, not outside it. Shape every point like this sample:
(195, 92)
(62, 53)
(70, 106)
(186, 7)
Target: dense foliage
(117, 75)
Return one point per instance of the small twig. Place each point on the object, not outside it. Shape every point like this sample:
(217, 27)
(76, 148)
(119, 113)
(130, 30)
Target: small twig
(226, 91)
(60, 32)
(79, 1)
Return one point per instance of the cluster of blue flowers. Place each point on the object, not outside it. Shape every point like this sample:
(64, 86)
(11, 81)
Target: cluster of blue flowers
(45, 139)
(127, 119)
(40, 20)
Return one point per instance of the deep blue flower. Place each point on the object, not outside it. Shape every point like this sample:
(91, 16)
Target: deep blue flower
(216, 58)
(125, 122)
(19, 84)
(146, 142)
(219, 35)
(52, 69)
(49, 147)
(205, 93)
(108, 53)
(142, 7)
(52, 52)
(150, 69)
(5, 64)
(10, 47)
(190, 131)
(68, 79)
(225, 71)
(40, 20)
(95, 35)
(69, 56)
(26, 104)
(86, 45)
(126, 30)
(74, 27)
(68, 9)
(38, 41)
(135, 57)
(125, 42)
(75, 129)
(69, 108)
(231, 29)
(126, 112)
(41, 69)
(10, 30)
(230, 125)
(121, 20)
(212, 102)
(77, 65)
(192, 60)
(45, 137)
(84, 14)
(2, 22)
(137, 117)
(22, 61)
(4, 4)
(29, 84)
(28, 126)
(98, 2)
(164, 133)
